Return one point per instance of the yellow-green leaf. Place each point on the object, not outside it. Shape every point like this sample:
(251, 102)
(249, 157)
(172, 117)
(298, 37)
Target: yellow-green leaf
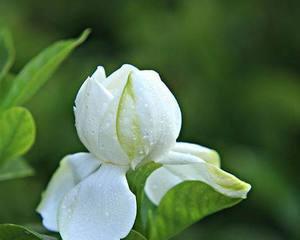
(17, 133)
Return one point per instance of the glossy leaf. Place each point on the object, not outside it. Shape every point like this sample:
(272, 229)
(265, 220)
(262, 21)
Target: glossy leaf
(17, 130)
(134, 235)
(39, 70)
(182, 206)
(15, 232)
(6, 53)
(15, 168)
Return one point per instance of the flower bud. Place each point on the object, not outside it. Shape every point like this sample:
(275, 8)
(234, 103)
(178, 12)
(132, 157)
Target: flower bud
(127, 117)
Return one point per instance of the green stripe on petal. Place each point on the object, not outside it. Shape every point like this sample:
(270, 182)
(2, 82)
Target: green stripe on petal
(227, 180)
(128, 125)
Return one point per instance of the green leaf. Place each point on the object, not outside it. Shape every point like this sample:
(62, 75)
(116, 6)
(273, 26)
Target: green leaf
(39, 70)
(5, 85)
(15, 232)
(17, 130)
(15, 168)
(134, 235)
(7, 53)
(136, 180)
(182, 206)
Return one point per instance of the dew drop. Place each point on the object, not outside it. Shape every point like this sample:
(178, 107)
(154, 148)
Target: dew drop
(141, 152)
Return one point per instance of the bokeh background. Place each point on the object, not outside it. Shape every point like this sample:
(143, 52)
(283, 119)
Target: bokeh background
(234, 67)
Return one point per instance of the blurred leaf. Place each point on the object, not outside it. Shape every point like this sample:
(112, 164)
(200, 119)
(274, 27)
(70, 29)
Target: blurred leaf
(272, 189)
(229, 230)
(182, 206)
(15, 232)
(6, 53)
(134, 235)
(17, 133)
(15, 168)
(5, 84)
(39, 70)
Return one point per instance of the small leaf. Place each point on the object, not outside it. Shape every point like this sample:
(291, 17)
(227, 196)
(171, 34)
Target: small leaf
(15, 168)
(17, 130)
(7, 53)
(134, 235)
(39, 70)
(15, 232)
(182, 206)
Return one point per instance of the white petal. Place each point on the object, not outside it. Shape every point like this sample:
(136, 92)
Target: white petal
(116, 82)
(128, 123)
(110, 147)
(96, 112)
(159, 183)
(91, 105)
(101, 207)
(156, 113)
(176, 158)
(166, 98)
(166, 113)
(221, 181)
(73, 168)
(99, 75)
(186, 153)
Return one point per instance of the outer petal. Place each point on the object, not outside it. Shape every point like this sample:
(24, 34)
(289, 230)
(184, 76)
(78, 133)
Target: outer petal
(101, 207)
(168, 176)
(159, 183)
(73, 168)
(165, 115)
(149, 118)
(186, 153)
(96, 110)
(116, 82)
(91, 105)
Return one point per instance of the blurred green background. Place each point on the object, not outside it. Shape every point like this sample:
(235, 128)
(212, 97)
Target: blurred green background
(234, 67)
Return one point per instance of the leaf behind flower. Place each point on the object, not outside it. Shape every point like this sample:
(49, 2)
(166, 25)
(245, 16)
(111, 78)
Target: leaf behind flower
(182, 206)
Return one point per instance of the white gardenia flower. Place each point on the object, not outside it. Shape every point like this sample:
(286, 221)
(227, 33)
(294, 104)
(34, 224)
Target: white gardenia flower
(124, 120)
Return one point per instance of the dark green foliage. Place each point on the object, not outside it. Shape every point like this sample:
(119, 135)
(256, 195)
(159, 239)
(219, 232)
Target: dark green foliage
(15, 232)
